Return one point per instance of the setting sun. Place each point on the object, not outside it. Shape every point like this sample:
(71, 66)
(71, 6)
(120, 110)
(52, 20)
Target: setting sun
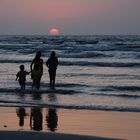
(54, 31)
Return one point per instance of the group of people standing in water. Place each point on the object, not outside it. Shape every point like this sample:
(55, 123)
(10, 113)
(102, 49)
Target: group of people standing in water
(37, 71)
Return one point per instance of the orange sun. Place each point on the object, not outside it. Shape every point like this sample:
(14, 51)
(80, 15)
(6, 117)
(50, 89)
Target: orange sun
(54, 31)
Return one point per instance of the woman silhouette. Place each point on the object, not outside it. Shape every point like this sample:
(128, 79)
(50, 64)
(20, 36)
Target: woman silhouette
(37, 64)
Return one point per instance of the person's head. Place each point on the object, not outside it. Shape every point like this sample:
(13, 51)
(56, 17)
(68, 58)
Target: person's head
(53, 54)
(38, 55)
(21, 67)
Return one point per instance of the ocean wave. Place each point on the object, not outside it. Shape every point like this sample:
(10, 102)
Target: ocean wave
(120, 88)
(82, 63)
(29, 91)
(86, 54)
(53, 105)
(15, 61)
(86, 47)
(133, 96)
(101, 64)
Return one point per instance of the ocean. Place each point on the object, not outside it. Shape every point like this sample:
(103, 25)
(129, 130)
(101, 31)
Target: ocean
(94, 72)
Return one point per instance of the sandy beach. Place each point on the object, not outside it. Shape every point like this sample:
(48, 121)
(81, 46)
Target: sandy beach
(69, 69)
(68, 124)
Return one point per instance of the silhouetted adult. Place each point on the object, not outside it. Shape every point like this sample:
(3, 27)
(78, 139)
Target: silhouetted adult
(52, 119)
(37, 63)
(36, 119)
(52, 64)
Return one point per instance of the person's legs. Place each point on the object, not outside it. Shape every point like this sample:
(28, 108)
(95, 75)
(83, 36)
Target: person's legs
(53, 77)
(50, 75)
(22, 85)
(33, 84)
(38, 84)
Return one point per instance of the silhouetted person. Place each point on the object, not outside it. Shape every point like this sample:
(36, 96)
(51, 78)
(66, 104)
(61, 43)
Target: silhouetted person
(37, 63)
(36, 119)
(52, 119)
(21, 76)
(35, 75)
(52, 64)
(21, 114)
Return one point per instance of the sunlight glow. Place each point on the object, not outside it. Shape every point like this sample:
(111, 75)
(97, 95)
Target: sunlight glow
(54, 31)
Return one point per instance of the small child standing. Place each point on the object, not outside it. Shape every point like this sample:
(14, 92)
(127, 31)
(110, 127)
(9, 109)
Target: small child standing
(21, 76)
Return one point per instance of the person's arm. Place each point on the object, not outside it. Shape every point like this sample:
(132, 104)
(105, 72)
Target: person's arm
(47, 63)
(31, 66)
(57, 61)
(28, 72)
(42, 65)
(17, 76)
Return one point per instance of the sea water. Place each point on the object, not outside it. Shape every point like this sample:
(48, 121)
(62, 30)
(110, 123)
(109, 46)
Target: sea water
(94, 72)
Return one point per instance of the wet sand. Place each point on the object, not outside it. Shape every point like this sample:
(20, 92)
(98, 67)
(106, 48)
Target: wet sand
(22, 135)
(54, 124)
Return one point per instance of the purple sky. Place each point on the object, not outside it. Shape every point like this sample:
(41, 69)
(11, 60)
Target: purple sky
(70, 16)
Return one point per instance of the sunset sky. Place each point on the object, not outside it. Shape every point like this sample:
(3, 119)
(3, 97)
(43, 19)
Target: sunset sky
(74, 17)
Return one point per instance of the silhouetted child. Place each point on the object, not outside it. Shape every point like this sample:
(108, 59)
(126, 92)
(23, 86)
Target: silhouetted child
(52, 64)
(21, 76)
(21, 113)
(35, 76)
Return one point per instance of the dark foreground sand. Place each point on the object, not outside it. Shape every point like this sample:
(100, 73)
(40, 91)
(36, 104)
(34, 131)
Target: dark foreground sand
(26, 135)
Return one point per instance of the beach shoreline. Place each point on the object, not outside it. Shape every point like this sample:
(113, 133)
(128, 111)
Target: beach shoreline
(103, 124)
